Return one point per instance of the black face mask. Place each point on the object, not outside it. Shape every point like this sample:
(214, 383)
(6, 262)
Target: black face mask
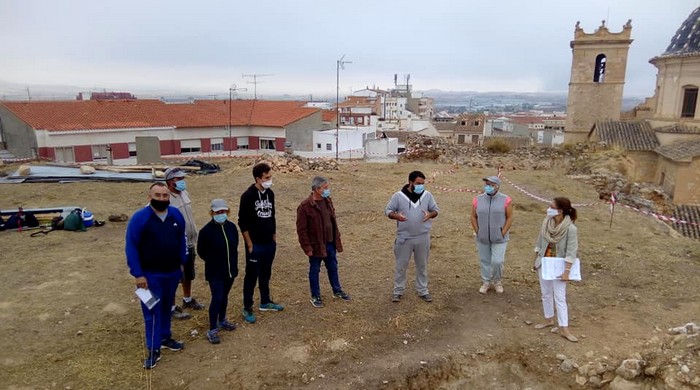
(160, 205)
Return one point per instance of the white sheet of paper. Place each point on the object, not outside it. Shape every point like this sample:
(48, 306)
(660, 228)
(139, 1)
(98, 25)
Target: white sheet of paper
(553, 267)
(147, 297)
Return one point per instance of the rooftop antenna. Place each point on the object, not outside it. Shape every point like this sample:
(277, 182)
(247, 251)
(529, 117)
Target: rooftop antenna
(255, 82)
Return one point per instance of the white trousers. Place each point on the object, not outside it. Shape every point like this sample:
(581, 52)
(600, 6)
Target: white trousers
(554, 293)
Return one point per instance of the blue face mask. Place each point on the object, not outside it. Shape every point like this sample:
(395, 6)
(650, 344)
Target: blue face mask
(326, 193)
(180, 185)
(489, 189)
(418, 188)
(220, 218)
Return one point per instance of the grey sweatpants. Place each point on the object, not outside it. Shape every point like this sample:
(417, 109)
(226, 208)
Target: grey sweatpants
(420, 248)
(491, 258)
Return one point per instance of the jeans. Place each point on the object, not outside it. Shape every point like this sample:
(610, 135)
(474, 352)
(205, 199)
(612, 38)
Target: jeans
(258, 269)
(157, 320)
(219, 301)
(492, 257)
(331, 262)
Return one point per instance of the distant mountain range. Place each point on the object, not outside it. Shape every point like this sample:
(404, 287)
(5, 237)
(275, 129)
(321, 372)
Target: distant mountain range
(469, 99)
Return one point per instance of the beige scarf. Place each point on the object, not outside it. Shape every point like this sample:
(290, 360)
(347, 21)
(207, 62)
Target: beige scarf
(552, 232)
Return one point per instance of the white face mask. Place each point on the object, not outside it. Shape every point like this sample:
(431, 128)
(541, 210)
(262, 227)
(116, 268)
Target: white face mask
(552, 212)
(266, 184)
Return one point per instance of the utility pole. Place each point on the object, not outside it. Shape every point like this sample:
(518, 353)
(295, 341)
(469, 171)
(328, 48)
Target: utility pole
(340, 64)
(231, 90)
(255, 81)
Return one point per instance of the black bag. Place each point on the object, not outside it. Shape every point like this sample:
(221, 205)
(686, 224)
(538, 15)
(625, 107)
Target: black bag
(26, 219)
(2, 224)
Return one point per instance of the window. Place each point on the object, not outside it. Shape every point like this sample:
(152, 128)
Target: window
(599, 71)
(476, 123)
(132, 149)
(242, 142)
(329, 146)
(318, 146)
(267, 144)
(65, 154)
(464, 123)
(190, 146)
(460, 139)
(690, 100)
(99, 152)
(217, 144)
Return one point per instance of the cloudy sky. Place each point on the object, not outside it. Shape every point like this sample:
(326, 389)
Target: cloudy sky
(205, 46)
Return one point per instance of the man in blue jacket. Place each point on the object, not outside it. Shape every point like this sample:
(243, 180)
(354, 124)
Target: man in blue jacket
(155, 252)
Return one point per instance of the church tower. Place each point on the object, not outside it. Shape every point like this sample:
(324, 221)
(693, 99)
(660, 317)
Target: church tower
(597, 79)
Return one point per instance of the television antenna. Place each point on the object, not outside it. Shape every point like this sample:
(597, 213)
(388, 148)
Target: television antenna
(255, 81)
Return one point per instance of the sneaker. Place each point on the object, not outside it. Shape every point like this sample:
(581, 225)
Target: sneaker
(316, 301)
(225, 325)
(484, 288)
(213, 336)
(192, 304)
(248, 316)
(152, 359)
(342, 295)
(396, 298)
(271, 307)
(499, 287)
(172, 344)
(427, 297)
(179, 314)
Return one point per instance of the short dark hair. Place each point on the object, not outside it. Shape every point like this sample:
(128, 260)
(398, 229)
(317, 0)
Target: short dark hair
(260, 169)
(414, 175)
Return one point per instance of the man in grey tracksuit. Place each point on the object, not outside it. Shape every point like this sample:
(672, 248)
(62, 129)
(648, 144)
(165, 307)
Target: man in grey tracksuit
(413, 208)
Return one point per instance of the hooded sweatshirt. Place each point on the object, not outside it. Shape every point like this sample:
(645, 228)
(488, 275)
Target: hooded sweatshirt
(414, 226)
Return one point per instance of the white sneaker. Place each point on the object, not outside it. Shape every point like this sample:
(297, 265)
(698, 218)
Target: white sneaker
(484, 288)
(499, 287)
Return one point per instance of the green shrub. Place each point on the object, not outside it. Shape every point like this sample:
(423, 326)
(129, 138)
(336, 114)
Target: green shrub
(498, 146)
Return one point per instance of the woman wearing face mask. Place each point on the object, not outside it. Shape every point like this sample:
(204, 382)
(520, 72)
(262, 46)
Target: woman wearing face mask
(218, 247)
(558, 238)
(491, 218)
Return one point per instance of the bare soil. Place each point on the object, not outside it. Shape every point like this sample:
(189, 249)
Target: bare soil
(69, 318)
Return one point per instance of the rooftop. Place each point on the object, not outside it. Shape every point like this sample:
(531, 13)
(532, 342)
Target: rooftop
(636, 135)
(681, 151)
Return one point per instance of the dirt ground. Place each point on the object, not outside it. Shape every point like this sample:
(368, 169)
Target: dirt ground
(69, 318)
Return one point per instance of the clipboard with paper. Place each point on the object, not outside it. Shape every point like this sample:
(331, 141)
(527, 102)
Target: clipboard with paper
(553, 267)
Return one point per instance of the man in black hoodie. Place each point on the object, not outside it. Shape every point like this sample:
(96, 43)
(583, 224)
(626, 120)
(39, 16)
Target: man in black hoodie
(256, 219)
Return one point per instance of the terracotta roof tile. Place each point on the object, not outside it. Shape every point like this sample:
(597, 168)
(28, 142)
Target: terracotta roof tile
(637, 135)
(117, 114)
(689, 214)
(681, 150)
(329, 115)
(678, 128)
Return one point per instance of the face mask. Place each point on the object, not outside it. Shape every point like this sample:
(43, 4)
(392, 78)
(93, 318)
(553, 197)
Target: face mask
(552, 212)
(180, 185)
(266, 184)
(220, 218)
(489, 189)
(160, 205)
(326, 193)
(418, 188)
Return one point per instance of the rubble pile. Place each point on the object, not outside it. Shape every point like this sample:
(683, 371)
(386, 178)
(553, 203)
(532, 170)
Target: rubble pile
(290, 163)
(668, 361)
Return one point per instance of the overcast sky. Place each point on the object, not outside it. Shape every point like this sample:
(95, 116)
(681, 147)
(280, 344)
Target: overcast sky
(205, 46)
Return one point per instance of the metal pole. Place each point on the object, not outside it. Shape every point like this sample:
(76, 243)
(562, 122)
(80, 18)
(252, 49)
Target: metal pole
(337, 108)
(230, 143)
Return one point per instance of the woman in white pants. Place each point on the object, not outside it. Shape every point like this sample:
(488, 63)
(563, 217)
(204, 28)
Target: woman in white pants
(558, 238)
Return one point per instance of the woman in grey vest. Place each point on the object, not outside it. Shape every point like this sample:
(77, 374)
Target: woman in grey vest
(558, 238)
(491, 217)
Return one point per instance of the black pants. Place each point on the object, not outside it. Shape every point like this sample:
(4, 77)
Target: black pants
(258, 269)
(219, 301)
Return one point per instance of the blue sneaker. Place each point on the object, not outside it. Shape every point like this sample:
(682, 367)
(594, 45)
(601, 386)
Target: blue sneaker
(213, 336)
(152, 359)
(271, 307)
(225, 325)
(317, 302)
(172, 344)
(248, 316)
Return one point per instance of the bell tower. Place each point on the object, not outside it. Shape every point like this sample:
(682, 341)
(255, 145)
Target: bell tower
(597, 79)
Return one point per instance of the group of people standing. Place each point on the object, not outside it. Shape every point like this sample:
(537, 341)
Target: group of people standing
(162, 240)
